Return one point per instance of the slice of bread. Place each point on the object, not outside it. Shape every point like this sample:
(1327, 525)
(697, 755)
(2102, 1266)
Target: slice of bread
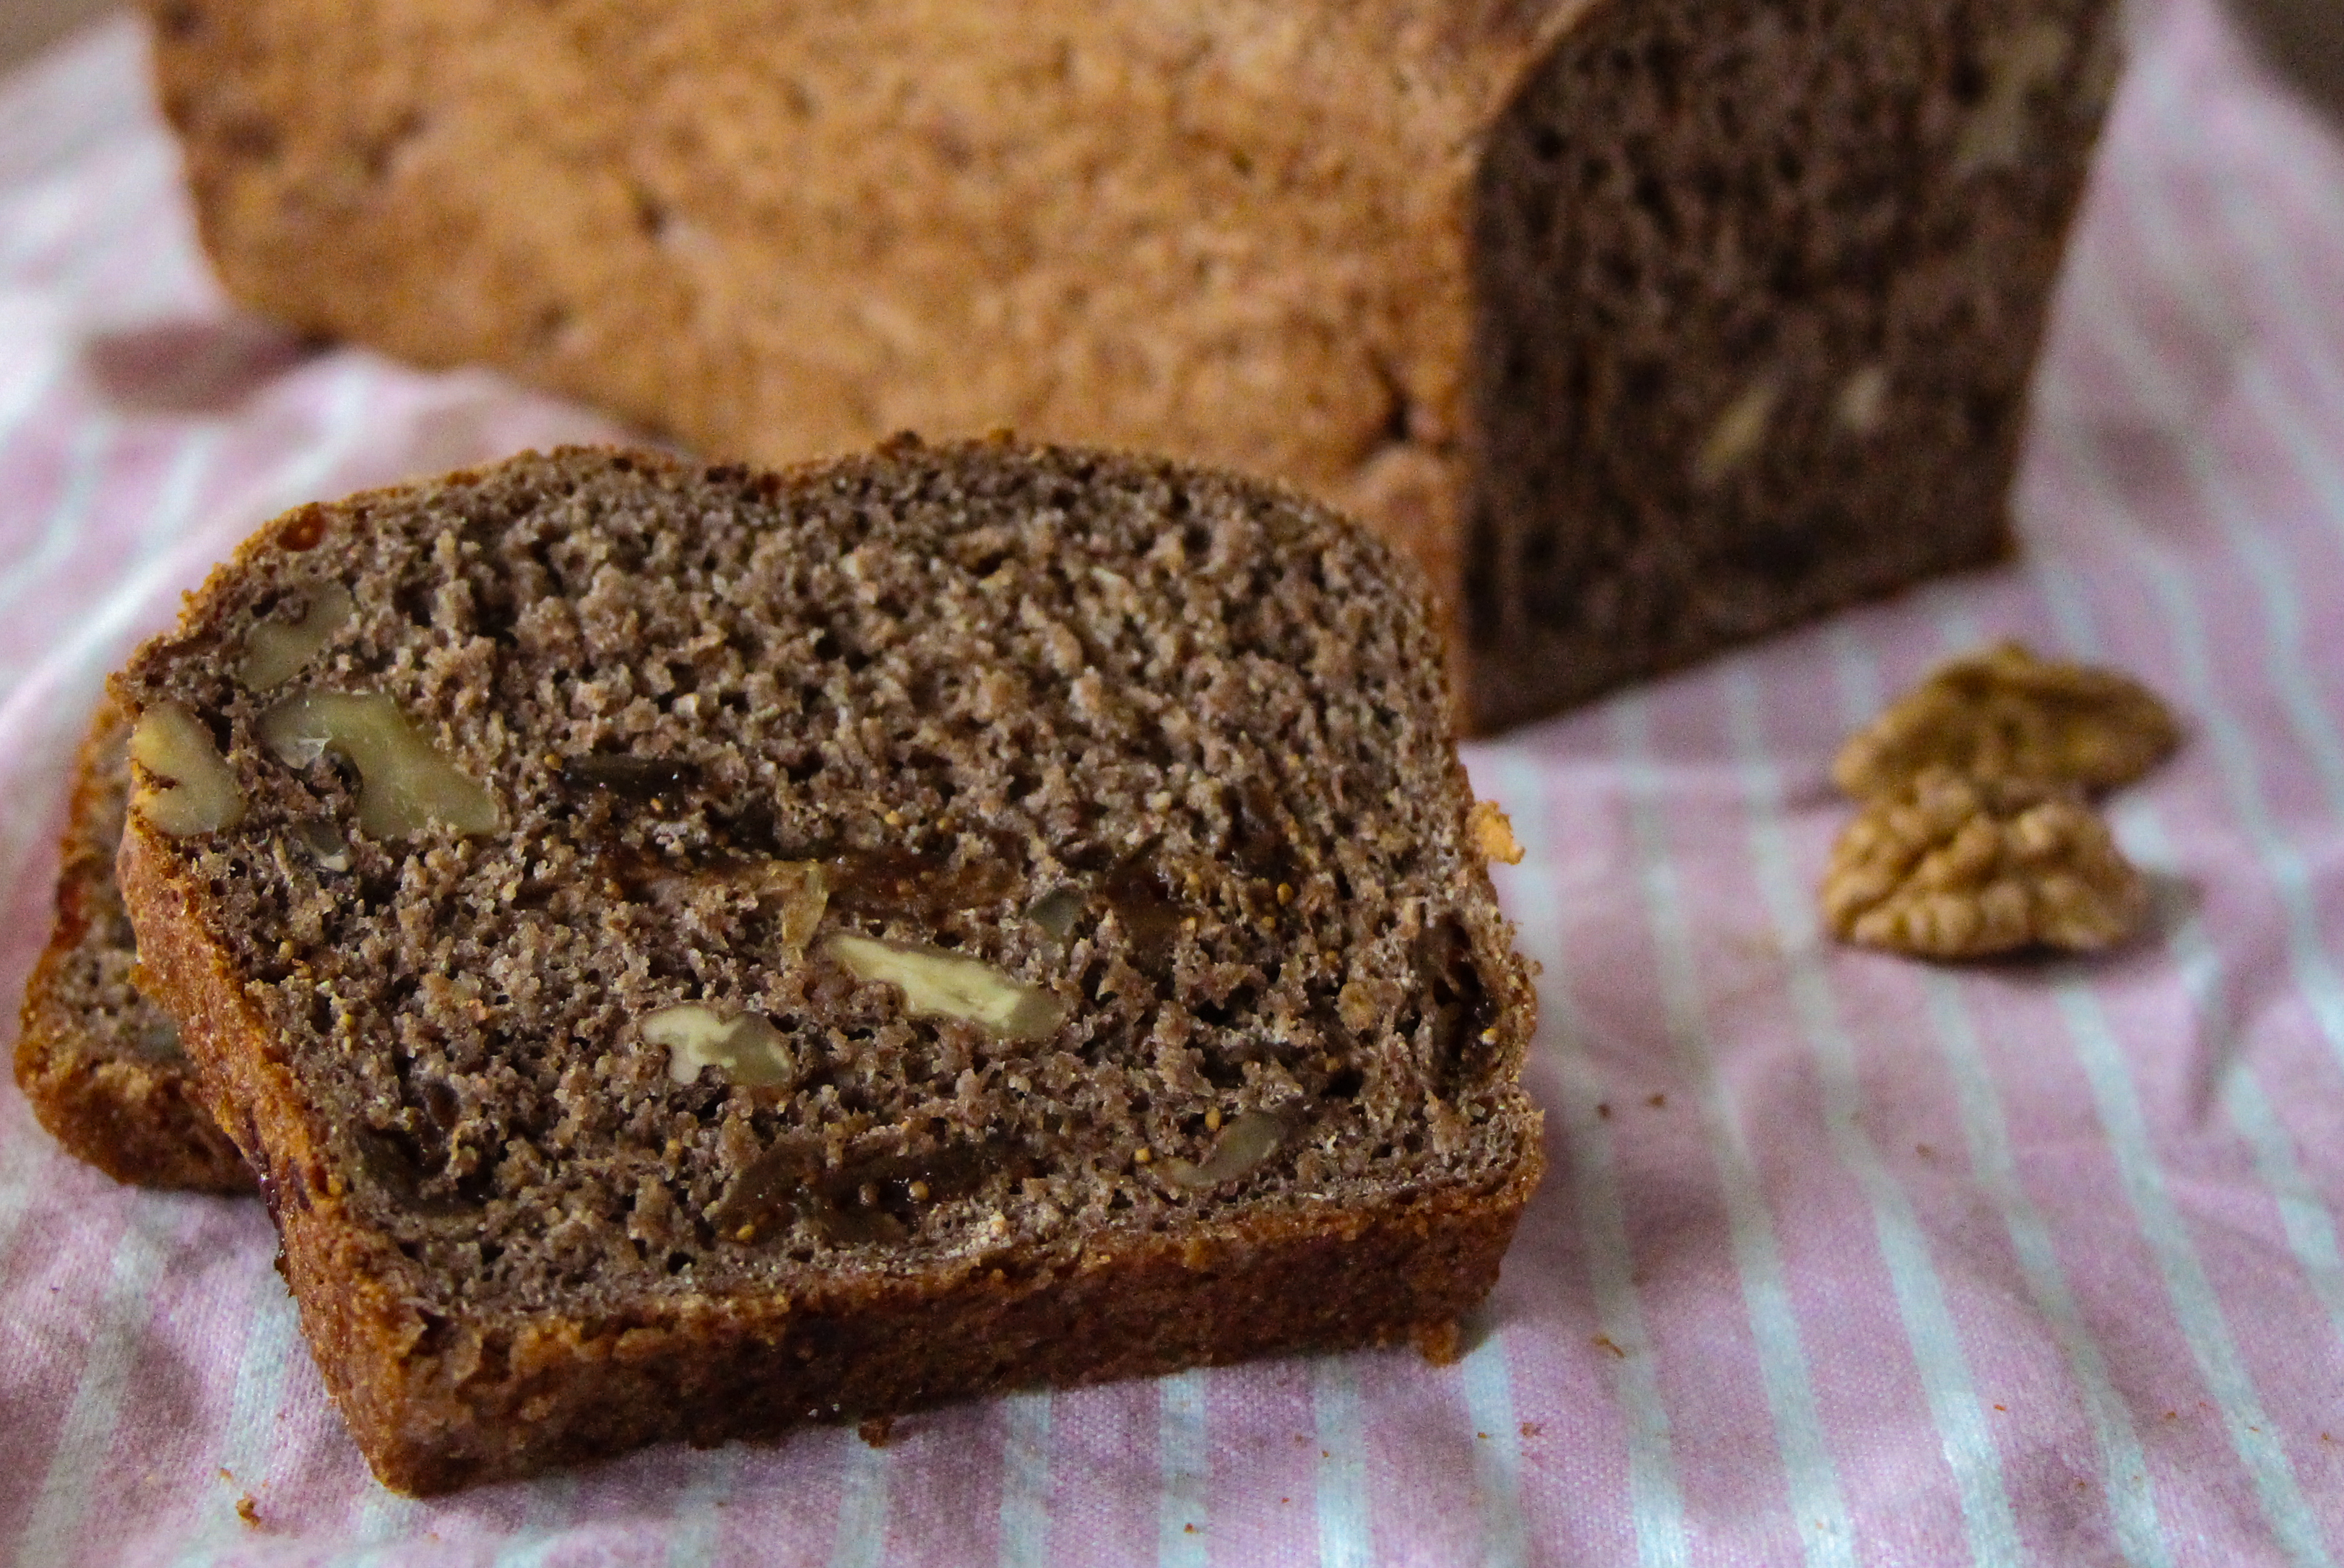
(99, 1062)
(696, 951)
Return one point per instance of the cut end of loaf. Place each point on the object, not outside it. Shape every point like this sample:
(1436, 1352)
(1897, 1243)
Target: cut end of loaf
(1759, 293)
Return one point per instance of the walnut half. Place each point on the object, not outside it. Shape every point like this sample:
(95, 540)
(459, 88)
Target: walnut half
(2002, 712)
(183, 785)
(406, 783)
(1953, 867)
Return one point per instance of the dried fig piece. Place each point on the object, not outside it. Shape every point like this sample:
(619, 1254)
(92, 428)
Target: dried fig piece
(638, 779)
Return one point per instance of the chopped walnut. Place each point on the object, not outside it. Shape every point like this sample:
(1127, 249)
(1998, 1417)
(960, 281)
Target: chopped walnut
(1958, 867)
(407, 783)
(940, 984)
(2002, 712)
(274, 651)
(183, 785)
(1738, 434)
(1253, 1137)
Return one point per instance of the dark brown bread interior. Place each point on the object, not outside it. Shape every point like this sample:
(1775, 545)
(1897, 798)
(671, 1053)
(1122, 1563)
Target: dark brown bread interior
(1172, 745)
(1836, 226)
(99, 1062)
(1645, 325)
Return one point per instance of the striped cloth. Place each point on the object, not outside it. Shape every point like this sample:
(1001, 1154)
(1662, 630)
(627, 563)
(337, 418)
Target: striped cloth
(1842, 1258)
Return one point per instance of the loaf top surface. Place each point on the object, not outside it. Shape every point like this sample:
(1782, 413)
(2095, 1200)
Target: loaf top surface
(1235, 232)
(658, 881)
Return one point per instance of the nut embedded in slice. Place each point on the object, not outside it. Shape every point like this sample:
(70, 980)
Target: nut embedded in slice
(1959, 867)
(2019, 68)
(747, 1049)
(1862, 401)
(938, 984)
(183, 785)
(405, 783)
(2002, 712)
(274, 651)
(1738, 434)
(1250, 1137)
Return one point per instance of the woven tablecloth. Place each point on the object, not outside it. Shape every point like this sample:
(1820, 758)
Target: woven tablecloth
(1841, 1259)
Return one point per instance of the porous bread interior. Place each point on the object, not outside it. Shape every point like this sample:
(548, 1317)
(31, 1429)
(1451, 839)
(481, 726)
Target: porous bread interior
(1692, 205)
(94, 982)
(100, 1063)
(967, 681)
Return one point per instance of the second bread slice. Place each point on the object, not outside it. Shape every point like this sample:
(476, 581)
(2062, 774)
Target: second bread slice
(99, 1063)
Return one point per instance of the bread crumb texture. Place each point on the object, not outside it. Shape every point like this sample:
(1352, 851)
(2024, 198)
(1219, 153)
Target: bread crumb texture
(99, 1062)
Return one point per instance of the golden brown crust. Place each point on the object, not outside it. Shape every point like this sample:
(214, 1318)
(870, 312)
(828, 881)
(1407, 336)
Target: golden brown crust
(1043, 152)
(132, 1115)
(1043, 149)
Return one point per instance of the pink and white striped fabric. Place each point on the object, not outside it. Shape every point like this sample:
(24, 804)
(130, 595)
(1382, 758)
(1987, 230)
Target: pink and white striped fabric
(1842, 1258)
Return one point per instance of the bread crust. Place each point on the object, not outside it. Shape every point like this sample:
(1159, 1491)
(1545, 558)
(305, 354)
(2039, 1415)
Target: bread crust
(439, 1398)
(137, 1117)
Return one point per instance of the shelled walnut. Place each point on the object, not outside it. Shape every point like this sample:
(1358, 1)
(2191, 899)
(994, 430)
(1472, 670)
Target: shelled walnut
(407, 783)
(2002, 712)
(183, 785)
(1954, 867)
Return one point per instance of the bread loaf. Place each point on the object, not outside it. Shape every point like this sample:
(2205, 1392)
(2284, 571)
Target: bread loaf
(693, 951)
(101, 1064)
(1645, 326)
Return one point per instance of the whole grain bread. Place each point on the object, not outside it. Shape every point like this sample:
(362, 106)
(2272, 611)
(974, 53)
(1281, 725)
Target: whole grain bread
(101, 1064)
(1645, 326)
(695, 951)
